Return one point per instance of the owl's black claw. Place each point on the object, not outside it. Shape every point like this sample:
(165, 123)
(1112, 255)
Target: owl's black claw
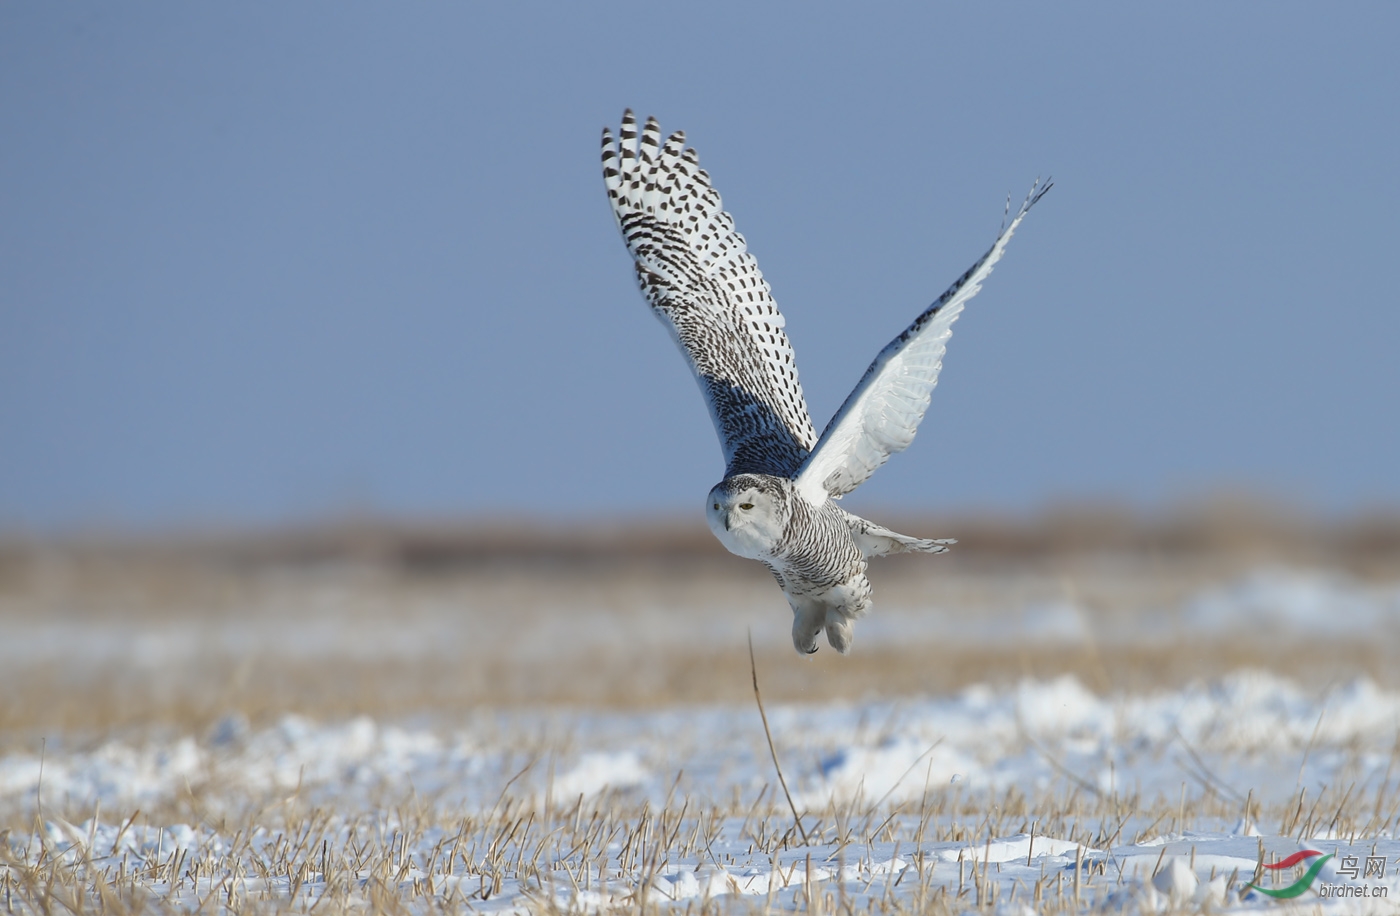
(812, 651)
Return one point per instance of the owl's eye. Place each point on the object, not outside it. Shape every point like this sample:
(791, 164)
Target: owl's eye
(716, 505)
(745, 505)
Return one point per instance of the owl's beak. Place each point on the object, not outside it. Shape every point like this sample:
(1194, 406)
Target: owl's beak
(726, 521)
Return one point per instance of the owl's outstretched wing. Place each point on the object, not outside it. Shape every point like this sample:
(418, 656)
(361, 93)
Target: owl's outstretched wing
(882, 414)
(703, 284)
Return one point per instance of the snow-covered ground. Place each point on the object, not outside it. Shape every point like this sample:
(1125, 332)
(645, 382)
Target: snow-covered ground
(1042, 794)
(1095, 790)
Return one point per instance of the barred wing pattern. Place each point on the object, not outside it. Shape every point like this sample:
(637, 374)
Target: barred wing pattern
(703, 284)
(882, 414)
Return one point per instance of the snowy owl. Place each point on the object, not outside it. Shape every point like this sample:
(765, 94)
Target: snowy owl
(777, 501)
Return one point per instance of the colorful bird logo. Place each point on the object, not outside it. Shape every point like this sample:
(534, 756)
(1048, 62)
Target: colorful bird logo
(1303, 883)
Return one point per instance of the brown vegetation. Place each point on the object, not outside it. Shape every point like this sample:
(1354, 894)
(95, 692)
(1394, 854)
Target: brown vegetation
(387, 619)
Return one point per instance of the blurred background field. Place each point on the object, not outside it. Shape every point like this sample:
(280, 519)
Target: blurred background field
(394, 620)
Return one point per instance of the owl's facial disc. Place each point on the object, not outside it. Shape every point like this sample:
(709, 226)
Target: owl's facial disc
(744, 520)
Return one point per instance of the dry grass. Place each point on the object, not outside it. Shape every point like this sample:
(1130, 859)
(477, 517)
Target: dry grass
(281, 854)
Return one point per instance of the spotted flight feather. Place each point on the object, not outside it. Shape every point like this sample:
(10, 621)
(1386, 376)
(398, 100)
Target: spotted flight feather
(705, 286)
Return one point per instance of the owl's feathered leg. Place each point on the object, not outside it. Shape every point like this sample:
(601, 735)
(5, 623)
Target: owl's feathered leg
(808, 618)
(839, 632)
(833, 609)
(845, 604)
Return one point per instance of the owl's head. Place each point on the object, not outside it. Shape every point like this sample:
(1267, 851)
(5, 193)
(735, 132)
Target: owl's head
(749, 513)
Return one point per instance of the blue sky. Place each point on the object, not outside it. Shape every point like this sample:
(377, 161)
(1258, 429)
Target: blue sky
(264, 263)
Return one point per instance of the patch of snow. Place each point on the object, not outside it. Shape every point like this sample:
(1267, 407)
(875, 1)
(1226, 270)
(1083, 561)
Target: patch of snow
(598, 772)
(1246, 734)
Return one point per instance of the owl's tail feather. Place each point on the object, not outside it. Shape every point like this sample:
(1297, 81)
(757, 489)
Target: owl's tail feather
(878, 541)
